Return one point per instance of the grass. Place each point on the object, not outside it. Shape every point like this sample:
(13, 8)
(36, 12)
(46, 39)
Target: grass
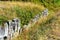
(44, 29)
(24, 11)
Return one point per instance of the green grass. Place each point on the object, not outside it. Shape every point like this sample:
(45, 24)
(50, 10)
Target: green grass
(42, 29)
(24, 11)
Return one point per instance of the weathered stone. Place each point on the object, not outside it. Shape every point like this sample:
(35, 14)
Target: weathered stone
(45, 12)
(10, 27)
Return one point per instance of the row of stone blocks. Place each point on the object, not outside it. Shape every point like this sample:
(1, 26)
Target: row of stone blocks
(10, 27)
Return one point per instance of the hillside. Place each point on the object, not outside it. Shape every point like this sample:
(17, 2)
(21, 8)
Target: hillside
(46, 28)
(24, 11)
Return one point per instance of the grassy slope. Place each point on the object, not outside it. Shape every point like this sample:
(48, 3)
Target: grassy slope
(46, 28)
(24, 11)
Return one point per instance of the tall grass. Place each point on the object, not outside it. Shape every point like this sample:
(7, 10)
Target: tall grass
(41, 30)
(24, 11)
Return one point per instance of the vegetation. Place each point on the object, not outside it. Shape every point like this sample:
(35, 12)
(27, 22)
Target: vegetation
(25, 13)
(46, 28)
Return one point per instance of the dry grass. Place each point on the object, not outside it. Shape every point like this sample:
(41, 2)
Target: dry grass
(50, 26)
(43, 29)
